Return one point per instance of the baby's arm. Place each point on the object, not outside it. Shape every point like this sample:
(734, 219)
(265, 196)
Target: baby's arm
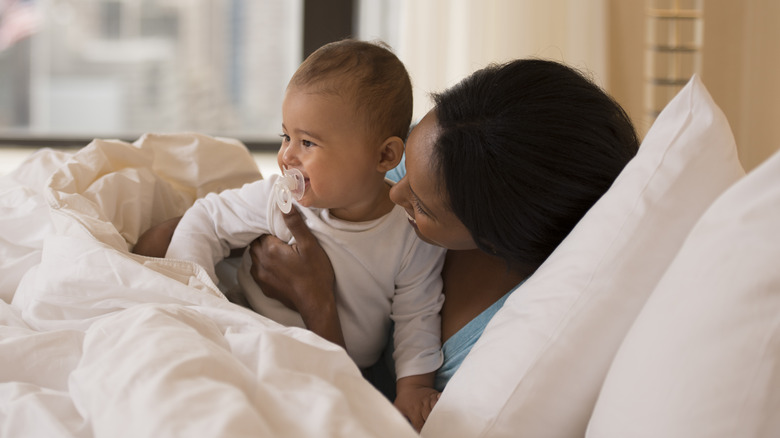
(415, 309)
(218, 223)
(415, 398)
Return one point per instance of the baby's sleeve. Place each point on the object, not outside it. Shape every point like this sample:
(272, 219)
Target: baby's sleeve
(217, 223)
(416, 311)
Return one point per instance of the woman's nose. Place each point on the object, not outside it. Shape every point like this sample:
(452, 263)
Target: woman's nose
(399, 193)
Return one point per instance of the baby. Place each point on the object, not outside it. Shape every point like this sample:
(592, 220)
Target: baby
(345, 115)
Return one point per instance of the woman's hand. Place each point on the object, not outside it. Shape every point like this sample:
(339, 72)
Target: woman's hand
(300, 276)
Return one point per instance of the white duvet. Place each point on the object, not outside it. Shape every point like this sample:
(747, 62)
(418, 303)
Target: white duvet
(97, 341)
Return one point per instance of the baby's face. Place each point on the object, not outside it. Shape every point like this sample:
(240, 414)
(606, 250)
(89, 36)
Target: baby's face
(323, 138)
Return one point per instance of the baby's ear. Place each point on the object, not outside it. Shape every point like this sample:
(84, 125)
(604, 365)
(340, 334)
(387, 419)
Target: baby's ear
(390, 155)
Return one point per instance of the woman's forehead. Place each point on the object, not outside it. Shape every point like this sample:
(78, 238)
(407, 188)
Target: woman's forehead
(421, 170)
(422, 139)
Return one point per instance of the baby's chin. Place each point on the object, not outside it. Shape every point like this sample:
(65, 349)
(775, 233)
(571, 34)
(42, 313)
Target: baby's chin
(307, 202)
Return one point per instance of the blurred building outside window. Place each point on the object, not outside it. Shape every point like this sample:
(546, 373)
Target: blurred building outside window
(121, 68)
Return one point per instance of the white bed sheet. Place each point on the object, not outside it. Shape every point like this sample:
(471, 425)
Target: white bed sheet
(97, 341)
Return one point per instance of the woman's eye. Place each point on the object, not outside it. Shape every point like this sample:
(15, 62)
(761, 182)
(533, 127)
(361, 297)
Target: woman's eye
(418, 208)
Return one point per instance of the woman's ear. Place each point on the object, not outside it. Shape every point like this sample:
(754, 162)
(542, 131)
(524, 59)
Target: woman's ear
(390, 154)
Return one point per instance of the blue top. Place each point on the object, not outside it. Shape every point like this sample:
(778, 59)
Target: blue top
(458, 345)
(398, 172)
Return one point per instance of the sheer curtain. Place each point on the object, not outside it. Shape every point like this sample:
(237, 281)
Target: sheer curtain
(442, 41)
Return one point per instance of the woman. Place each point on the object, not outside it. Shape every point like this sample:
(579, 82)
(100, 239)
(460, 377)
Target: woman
(498, 172)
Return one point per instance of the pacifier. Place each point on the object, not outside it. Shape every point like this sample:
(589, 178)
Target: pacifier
(289, 186)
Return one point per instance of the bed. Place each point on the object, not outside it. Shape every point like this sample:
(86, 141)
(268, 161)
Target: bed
(657, 316)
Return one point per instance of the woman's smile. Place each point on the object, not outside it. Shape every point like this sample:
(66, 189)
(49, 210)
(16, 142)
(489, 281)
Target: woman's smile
(411, 219)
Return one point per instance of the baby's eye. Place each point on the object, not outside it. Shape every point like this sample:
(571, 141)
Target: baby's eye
(285, 138)
(307, 143)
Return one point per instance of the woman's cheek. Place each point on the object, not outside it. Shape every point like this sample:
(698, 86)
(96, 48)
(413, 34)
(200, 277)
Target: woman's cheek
(424, 232)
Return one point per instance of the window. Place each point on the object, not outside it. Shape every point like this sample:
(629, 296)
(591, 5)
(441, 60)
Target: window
(120, 68)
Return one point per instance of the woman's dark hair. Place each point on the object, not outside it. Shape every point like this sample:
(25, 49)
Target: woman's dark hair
(525, 149)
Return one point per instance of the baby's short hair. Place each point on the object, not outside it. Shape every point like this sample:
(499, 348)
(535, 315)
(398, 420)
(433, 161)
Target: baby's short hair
(371, 75)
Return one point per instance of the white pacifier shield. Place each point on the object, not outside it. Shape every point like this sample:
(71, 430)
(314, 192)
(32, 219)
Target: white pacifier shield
(289, 186)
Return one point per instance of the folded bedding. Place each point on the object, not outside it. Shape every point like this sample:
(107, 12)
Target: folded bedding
(97, 341)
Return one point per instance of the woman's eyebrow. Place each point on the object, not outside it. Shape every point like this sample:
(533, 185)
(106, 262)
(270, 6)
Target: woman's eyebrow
(419, 201)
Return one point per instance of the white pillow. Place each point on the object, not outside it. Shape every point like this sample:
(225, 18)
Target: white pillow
(540, 363)
(703, 358)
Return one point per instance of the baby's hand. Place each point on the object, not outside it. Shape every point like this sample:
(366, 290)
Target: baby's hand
(415, 400)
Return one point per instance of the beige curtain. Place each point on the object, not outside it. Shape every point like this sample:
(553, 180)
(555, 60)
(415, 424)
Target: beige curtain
(442, 41)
